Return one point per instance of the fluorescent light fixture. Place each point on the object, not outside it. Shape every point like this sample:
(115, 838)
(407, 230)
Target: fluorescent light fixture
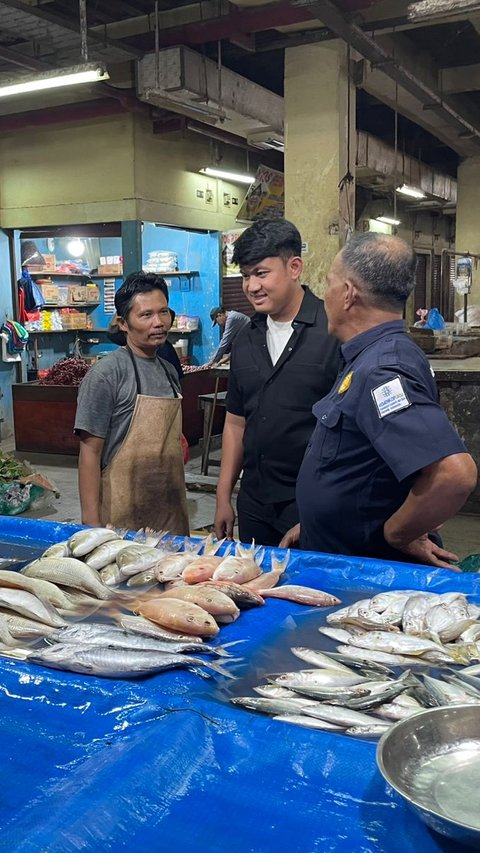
(388, 220)
(425, 10)
(227, 176)
(89, 72)
(411, 191)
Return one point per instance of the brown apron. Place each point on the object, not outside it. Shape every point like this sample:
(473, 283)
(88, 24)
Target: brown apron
(144, 484)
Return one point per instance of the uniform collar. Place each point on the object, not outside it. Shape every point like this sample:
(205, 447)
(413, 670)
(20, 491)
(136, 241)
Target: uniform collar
(350, 349)
(307, 313)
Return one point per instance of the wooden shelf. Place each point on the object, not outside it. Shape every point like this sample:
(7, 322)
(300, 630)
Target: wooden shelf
(177, 272)
(48, 273)
(58, 331)
(75, 305)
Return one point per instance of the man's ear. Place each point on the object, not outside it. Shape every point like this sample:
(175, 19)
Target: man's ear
(296, 267)
(351, 294)
(122, 324)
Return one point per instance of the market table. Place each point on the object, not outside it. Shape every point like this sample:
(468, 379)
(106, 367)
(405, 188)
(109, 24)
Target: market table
(166, 763)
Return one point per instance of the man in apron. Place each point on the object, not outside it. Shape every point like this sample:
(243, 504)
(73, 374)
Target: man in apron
(129, 421)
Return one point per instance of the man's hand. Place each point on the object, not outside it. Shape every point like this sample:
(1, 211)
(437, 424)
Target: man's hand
(224, 520)
(423, 550)
(291, 538)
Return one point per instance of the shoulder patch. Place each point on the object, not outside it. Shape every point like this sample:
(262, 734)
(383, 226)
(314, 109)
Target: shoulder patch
(390, 397)
(346, 382)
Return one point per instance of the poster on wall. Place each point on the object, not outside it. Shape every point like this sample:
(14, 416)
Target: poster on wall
(228, 241)
(265, 198)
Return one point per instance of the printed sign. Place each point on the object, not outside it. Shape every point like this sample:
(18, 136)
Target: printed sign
(265, 199)
(228, 240)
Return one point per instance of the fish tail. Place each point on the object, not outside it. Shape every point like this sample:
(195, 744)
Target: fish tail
(244, 550)
(280, 565)
(259, 555)
(218, 667)
(216, 546)
(16, 654)
(221, 649)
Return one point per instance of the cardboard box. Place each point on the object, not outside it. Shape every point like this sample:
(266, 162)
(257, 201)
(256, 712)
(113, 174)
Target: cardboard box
(75, 321)
(76, 294)
(92, 294)
(63, 291)
(49, 293)
(110, 269)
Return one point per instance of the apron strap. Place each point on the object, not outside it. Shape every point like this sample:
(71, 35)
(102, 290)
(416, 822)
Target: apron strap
(137, 375)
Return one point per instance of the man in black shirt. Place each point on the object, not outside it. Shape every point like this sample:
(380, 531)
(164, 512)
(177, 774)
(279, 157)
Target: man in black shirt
(282, 362)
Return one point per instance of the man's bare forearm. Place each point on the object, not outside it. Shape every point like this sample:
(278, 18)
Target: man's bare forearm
(439, 491)
(89, 478)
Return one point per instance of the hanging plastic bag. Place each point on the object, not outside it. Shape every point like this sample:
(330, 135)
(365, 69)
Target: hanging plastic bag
(435, 321)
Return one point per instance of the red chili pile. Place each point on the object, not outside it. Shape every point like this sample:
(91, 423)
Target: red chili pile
(68, 371)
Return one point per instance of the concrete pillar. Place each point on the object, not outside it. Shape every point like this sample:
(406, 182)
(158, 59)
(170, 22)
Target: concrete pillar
(317, 161)
(467, 237)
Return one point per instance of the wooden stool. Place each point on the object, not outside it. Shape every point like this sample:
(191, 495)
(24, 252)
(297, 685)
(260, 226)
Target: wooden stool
(209, 403)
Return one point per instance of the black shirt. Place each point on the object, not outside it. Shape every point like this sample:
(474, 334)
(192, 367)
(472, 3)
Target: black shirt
(276, 400)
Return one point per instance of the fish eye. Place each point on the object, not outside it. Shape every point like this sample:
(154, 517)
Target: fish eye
(190, 618)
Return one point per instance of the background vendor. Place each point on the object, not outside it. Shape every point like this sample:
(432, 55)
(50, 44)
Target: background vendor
(129, 421)
(231, 322)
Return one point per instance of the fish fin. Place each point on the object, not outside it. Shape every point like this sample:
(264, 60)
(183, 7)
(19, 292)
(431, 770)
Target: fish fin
(221, 649)
(259, 555)
(243, 550)
(280, 565)
(219, 668)
(216, 546)
(17, 654)
(152, 539)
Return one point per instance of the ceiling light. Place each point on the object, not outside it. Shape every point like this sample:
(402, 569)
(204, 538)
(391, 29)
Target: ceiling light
(388, 220)
(411, 191)
(425, 10)
(76, 248)
(227, 176)
(89, 72)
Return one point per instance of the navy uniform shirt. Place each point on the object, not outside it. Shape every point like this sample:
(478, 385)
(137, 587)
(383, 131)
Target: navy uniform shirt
(276, 400)
(376, 429)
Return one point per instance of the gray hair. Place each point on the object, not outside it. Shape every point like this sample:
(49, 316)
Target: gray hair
(384, 265)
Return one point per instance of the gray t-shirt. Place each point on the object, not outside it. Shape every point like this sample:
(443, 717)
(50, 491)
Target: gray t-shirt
(107, 394)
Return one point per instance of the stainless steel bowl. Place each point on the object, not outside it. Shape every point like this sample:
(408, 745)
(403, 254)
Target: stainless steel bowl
(433, 761)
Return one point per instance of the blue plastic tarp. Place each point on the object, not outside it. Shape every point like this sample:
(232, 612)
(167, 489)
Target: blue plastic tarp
(92, 764)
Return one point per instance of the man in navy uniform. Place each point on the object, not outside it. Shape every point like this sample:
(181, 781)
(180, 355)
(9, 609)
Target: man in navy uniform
(384, 466)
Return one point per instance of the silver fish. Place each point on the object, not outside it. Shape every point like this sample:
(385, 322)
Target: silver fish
(273, 705)
(59, 549)
(373, 656)
(301, 595)
(145, 578)
(105, 553)
(84, 541)
(29, 605)
(449, 693)
(68, 571)
(375, 730)
(337, 715)
(111, 575)
(318, 678)
(102, 634)
(272, 691)
(308, 722)
(445, 622)
(133, 559)
(315, 658)
(140, 625)
(37, 586)
(22, 628)
(116, 663)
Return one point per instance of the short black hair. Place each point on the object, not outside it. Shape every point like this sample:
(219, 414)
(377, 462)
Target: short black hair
(137, 282)
(268, 238)
(385, 265)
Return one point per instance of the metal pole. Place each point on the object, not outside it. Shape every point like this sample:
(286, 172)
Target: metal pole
(83, 28)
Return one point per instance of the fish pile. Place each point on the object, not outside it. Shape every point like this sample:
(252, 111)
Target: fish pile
(178, 598)
(355, 690)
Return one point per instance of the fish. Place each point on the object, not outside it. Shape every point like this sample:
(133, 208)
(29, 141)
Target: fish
(320, 659)
(308, 722)
(201, 569)
(115, 663)
(367, 663)
(272, 691)
(301, 595)
(111, 575)
(22, 628)
(105, 553)
(337, 715)
(317, 677)
(145, 578)
(340, 635)
(84, 541)
(243, 598)
(374, 656)
(446, 621)
(172, 566)
(68, 571)
(242, 567)
(6, 636)
(449, 693)
(59, 549)
(102, 634)
(380, 692)
(273, 705)
(26, 604)
(139, 625)
(37, 586)
(400, 708)
(375, 730)
(134, 559)
(402, 644)
(267, 580)
(177, 615)
(212, 600)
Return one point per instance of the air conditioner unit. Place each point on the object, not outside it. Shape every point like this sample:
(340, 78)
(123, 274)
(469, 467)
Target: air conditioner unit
(266, 137)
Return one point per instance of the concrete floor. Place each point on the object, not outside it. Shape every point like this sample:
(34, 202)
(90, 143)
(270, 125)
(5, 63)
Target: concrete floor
(461, 534)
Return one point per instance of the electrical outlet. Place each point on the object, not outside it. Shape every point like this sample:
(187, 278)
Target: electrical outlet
(208, 196)
(200, 194)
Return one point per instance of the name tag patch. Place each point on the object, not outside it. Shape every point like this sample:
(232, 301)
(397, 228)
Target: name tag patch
(390, 397)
